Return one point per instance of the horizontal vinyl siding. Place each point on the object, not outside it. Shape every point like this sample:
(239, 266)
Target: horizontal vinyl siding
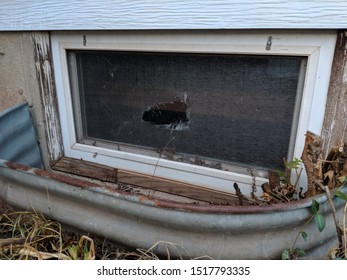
(171, 14)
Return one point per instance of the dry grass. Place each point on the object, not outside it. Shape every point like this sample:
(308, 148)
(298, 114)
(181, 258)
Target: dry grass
(28, 235)
(31, 236)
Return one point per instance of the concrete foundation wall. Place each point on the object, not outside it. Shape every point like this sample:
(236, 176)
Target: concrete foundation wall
(18, 80)
(13, 88)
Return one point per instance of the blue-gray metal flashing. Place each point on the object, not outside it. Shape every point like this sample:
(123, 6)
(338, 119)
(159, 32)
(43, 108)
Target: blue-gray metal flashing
(18, 141)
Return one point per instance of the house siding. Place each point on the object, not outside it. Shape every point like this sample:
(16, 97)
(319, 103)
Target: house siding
(171, 14)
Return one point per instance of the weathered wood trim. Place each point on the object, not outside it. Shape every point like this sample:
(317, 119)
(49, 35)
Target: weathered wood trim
(108, 174)
(334, 131)
(45, 76)
(177, 188)
(86, 169)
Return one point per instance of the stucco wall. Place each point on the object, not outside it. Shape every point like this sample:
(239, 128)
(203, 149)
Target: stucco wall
(13, 86)
(18, 79)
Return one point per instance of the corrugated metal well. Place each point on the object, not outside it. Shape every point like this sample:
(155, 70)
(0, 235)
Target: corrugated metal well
(221, 232)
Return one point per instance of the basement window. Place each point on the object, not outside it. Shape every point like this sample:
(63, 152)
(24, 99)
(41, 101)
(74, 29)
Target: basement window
(201, 108)
(215, 109)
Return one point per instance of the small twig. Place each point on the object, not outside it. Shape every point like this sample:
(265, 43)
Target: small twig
(280, 197)
(333, 212)
(238, 193)
(11, 241)
(283, 196)
(297, 179)
(255, 200)
(254, 188)
(160, 154)
(292, 248)
(330, 161)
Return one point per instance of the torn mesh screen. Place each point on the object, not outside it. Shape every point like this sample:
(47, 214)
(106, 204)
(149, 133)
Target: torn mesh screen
(232, 108)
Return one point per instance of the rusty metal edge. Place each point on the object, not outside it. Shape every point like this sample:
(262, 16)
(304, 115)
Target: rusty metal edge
(221, 209)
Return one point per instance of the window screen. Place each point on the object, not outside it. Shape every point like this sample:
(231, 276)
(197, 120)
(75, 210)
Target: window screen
(238, 109)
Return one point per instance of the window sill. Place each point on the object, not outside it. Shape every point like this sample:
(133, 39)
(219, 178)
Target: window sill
(113, 175)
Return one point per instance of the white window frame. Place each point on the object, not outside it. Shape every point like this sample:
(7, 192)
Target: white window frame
(317, 46)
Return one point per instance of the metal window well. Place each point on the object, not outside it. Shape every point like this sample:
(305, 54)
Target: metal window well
(220, 232)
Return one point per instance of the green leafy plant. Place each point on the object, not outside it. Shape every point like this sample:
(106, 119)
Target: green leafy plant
(335, 253)
(341, 251)
(84, 250)
(318, 217)
(289, 167)
(294, 252)
(280, 187)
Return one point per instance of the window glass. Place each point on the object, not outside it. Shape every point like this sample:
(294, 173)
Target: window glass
(196, 108)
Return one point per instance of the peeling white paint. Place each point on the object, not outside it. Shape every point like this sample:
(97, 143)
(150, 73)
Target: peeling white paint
(44, 70)
(345, 74)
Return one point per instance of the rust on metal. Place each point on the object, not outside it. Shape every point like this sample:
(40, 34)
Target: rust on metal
(51, 175)
(228, 209)
(162, 203)
(17, 166)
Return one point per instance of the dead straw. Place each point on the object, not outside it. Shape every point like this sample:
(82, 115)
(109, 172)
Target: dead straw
(31, 236)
